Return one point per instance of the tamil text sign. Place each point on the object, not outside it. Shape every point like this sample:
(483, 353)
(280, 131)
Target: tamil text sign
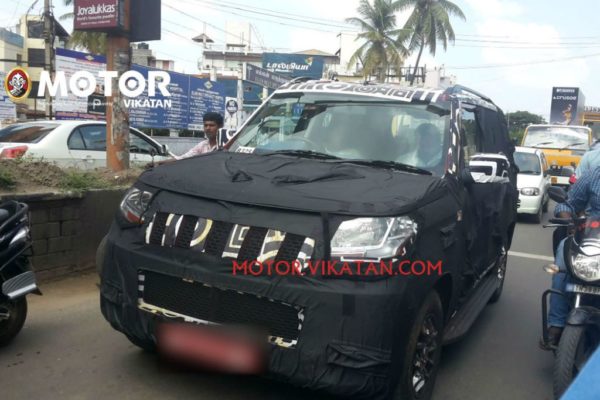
(264, 77)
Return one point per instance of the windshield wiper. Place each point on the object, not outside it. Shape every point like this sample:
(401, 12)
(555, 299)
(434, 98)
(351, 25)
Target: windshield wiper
(541, 144)
(388, 164)
(572, 144)
(303, 153)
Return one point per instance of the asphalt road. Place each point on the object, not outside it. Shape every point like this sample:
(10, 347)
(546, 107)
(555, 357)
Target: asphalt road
(67, 351)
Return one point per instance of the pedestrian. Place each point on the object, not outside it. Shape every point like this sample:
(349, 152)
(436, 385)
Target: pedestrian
(212, 123)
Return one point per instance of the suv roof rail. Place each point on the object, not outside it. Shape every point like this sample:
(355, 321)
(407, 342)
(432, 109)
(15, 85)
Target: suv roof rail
(459, 88)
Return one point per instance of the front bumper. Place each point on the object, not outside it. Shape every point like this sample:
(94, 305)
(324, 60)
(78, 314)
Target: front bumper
(352, 333)
(529, 204)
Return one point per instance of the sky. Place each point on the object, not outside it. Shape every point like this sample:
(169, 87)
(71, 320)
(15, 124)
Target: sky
(512, 51)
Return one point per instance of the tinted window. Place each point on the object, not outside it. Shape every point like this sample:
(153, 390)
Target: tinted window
(76, 141)
(26, 133)
(528, 163)
(139, 145)
(36, 57)
(94, 137)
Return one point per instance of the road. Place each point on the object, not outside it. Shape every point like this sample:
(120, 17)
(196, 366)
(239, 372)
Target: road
(67, 351)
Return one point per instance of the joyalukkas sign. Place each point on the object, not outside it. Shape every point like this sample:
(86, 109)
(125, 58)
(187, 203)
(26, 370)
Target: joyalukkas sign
(102, 15)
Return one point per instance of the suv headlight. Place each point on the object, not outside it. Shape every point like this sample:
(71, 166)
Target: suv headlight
(530, 191)
(372, 238)
(134, 205)
(586, 268)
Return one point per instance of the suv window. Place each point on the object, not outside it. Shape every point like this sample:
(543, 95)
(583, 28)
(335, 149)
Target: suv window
(350, 127)
(469, 134)
(25, 133)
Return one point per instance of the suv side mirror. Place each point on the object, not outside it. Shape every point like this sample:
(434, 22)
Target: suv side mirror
(546, 172)
(164, 150)
(466, 177)
(557, 194)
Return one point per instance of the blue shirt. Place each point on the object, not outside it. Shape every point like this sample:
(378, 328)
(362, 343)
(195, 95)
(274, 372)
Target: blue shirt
(585, 191)
(589, 162)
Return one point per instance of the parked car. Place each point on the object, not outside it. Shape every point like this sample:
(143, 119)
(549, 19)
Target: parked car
(533, 181)
(73, 143)
(368, 174)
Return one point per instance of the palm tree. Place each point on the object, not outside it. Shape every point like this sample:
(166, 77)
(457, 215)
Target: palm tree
(94, 42)
(428, 23)
(380, 50)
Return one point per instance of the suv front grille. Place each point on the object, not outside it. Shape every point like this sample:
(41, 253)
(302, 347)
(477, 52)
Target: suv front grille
(227, 240)
(164, 294)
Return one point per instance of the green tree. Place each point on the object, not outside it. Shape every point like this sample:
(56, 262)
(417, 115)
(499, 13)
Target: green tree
(94, 42)
(381, 51)
(519, 120)
(428, 24)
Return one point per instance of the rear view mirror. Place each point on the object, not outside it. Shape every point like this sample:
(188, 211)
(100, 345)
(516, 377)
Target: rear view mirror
(164, 149)
(557, 194)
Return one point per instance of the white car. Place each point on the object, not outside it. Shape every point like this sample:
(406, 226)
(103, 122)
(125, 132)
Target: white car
(533, 181)
(75, 143)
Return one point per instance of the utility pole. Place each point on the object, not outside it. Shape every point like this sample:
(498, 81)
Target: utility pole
(117, 116)
(48, 53)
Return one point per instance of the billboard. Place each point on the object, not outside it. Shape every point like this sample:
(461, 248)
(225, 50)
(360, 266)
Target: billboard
(294, 65)
(98, 14)
(190, 97)
(567, 106)
(71, 106)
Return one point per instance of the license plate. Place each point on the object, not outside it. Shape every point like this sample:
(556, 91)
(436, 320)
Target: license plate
(226, 350)
(554, 179)
(584, 289)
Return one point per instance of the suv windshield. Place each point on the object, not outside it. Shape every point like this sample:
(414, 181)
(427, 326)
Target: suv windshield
(25, 133)
(557, 137)
(528, 163)
(349, 127)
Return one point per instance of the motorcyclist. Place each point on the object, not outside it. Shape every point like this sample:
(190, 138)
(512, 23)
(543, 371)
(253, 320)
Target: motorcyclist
(584, 195)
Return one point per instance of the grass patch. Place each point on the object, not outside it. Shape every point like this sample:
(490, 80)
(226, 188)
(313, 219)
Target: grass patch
(79, 181)
(7, 180)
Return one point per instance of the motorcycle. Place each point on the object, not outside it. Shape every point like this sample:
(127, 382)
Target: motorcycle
(16, 277)
(581, 335)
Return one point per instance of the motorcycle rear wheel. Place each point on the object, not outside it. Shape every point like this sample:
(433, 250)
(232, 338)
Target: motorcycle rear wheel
(9, 328)
(577, 344)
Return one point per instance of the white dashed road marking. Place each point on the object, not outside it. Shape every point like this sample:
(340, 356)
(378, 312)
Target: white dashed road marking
(532, 256)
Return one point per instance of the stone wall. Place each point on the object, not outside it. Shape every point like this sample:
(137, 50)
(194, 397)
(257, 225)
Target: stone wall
(66, 229)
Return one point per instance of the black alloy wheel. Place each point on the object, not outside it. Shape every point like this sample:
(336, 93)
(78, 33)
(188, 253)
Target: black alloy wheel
(423, 352)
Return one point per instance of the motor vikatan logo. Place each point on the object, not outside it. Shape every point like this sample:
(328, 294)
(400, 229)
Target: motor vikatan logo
(17, 84)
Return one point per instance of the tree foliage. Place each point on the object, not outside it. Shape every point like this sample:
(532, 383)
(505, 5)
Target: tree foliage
(381, 51)
(427, 25)
(519, 120)
(94, 42)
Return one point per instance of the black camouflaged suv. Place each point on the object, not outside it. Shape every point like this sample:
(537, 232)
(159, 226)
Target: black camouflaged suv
(410, 192)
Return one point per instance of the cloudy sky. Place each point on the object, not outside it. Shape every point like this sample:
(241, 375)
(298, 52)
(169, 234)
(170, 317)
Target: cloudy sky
(513, 51)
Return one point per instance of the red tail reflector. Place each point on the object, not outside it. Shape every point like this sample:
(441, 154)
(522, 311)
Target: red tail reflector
(13, 152)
